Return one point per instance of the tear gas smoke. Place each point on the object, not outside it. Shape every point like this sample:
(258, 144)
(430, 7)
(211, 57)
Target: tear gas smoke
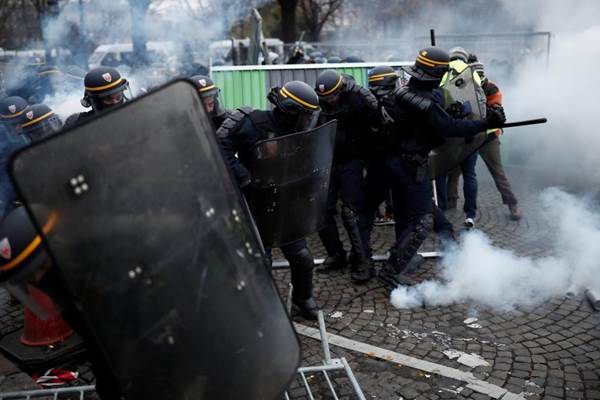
(476, 271)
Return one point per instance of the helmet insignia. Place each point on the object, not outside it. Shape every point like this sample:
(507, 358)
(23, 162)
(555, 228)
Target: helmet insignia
(424, 53)
(29, 115)
(107, 77)
(202, 82)
(321, 87)
(5, 250)
(12, 108)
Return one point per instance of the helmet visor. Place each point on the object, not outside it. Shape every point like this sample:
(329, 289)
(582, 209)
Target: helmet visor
(307, 120)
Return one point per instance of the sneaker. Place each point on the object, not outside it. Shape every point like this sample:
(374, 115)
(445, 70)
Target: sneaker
(470, 223)
(515, 212)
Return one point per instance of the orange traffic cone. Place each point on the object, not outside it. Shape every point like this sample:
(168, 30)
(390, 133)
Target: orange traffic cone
(39, 332)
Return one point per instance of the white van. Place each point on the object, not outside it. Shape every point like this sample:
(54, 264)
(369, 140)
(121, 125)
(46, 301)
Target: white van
(118, 54)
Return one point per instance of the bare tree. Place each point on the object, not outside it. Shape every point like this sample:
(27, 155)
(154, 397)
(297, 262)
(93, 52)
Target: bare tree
(139, 9)
(316, 13)
(288, 20)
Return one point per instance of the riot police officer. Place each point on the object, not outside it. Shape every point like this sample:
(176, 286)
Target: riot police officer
(417, 109)
(296, 109)
(210, 97)
(355, 109)
(29, 268)
(104, 88)
(11, 112)
(383, 80)
(39, 121)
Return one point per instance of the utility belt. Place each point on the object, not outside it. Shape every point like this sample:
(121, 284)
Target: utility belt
(419, 163)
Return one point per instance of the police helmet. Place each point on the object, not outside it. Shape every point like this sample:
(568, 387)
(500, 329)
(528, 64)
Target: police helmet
(11, 109)
(208, 90)
(329, 82)
(206, 87)
(382, 80)
(353, 59)
(103, 85)
(430, 65)
(334, 60)
(24, 261)
(458, 53)
(39, 121)
(298, 103)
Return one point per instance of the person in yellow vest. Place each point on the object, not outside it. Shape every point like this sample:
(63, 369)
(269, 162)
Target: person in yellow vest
(458, 63)
(490, 152)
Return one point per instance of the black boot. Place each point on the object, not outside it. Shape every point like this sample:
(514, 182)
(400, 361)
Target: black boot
(301, 267)
(308, 308)
(362, 269)
(333, 262)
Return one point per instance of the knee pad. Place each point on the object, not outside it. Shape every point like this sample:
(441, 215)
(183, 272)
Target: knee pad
(349, 213)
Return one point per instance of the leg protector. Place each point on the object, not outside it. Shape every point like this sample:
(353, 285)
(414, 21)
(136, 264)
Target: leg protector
(411, 242)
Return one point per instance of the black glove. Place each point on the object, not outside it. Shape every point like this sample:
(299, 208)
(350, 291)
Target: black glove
(245, 182)
(495, 117)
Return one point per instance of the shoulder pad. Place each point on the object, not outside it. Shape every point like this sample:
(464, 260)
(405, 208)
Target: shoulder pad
(72, 119)
(233, 121)
(368, 98)
(406, 97)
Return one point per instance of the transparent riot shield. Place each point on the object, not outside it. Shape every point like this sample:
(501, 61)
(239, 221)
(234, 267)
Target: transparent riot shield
(290, 180)
(464, 90)
(159, 254)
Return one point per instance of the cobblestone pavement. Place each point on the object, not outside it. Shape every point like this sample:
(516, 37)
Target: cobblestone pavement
(551, 351)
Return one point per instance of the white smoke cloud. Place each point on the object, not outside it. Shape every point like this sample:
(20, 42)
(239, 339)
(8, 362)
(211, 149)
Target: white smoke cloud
(477, 271)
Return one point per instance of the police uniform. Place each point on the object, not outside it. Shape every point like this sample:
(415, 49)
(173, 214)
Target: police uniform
(418, 110)
(237, 136)
(11, 111)
(355, 109)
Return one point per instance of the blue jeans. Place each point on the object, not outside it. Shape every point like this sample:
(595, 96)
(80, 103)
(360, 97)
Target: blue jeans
(467, 168)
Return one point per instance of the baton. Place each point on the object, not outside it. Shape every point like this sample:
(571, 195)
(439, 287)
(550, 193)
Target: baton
(432, 36)
(523, 123)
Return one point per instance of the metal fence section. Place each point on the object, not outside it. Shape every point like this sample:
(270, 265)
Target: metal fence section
(75, 392)
(248, 85)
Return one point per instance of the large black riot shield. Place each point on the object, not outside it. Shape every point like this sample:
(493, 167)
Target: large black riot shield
(461, 88)
(290, 180)
(160, 255)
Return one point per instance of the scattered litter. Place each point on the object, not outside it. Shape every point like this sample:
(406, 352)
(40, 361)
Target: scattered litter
(368, 311)
(423, 374)
(56, 377)
(471, 360)
(474, 326)
(457, 391)
(337, 315)
(452, 354)
(470, 320)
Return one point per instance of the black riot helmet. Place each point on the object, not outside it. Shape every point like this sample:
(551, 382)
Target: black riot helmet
(11, 110)
(104, 88)
(25, 266)
(382, 80)
(431, 64)
(329, 87)
(209, 93)
(39, 121)
(297, 103)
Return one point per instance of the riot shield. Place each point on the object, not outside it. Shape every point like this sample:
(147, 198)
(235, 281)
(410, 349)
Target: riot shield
(460, 88)
(159, 254)
(290, 180)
